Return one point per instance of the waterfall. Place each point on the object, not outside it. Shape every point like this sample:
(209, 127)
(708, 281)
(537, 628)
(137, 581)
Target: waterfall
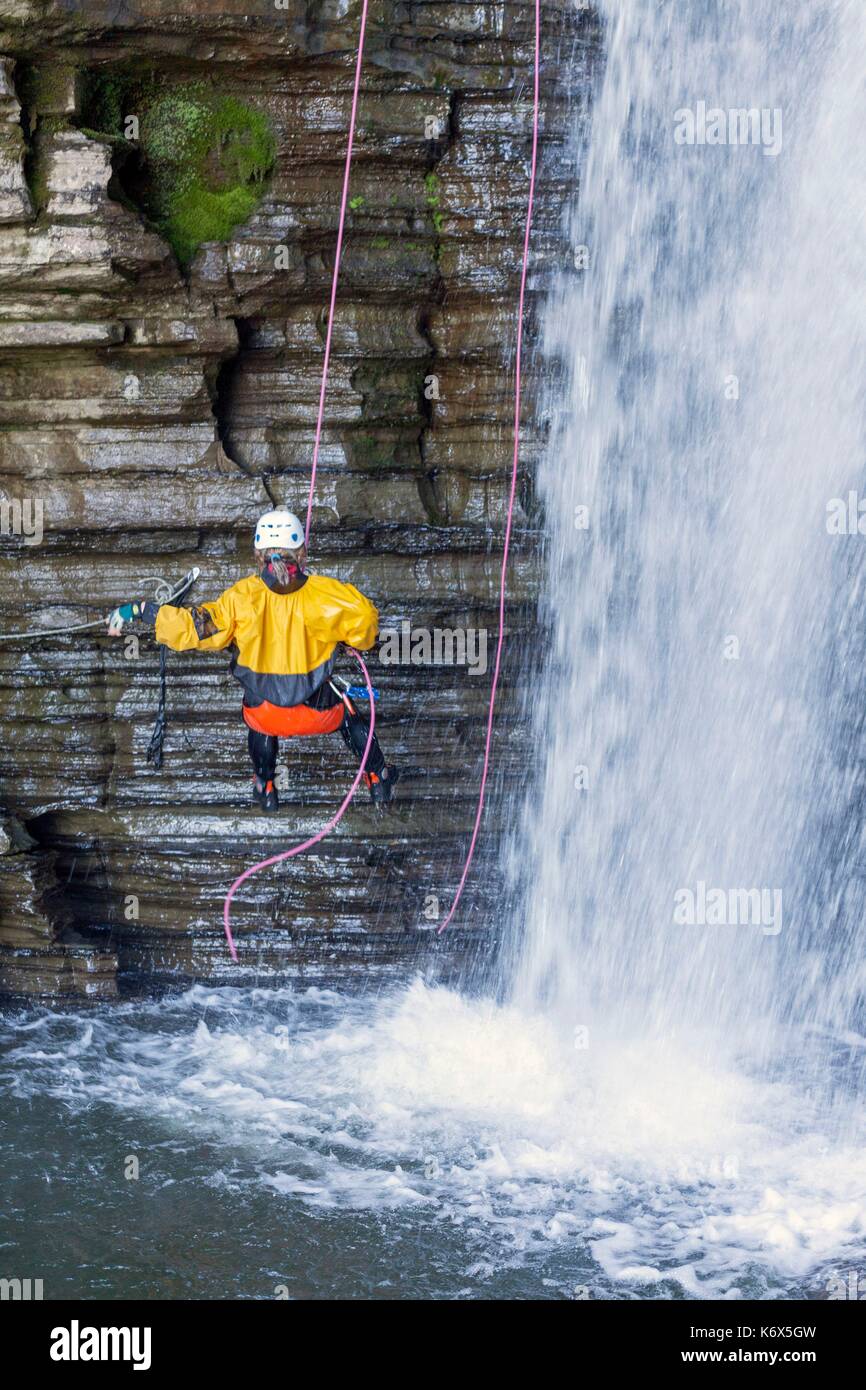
(698, 730)
(659, 1098)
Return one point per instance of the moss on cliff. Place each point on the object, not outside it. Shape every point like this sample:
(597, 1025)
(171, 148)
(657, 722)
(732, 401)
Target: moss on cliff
(210, 157)
(203, 159)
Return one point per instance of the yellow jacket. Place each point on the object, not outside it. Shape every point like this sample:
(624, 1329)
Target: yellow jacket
(285, 642)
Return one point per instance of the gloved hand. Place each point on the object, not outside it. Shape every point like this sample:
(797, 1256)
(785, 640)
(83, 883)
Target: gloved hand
(128, 612)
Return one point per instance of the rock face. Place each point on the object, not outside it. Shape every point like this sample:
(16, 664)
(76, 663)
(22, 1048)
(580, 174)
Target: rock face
(150, 413)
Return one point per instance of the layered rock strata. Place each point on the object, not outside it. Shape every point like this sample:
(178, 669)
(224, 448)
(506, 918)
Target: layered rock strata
(148, 413)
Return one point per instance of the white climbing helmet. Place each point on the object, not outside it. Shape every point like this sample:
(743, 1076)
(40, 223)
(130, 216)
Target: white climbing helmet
(280, 529)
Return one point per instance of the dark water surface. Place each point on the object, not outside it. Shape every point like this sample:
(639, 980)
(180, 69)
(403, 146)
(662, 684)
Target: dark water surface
(322, 1146)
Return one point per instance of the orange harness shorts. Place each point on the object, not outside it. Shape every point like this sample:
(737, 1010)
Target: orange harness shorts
(284, 721)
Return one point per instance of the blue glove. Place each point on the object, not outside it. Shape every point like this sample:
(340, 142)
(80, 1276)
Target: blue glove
(128, 612)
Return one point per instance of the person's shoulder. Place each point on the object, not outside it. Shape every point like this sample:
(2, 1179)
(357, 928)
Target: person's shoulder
(249, 583)
(242, 588)
(327, 589)
(325, 586)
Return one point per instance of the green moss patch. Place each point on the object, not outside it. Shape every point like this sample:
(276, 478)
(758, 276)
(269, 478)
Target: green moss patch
(203, 158)
(433, 201)
(210, 157)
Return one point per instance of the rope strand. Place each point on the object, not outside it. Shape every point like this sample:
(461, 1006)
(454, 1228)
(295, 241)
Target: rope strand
(320, 835)
(299, 849)
(162, 586)
(343, 204)
(517, 392)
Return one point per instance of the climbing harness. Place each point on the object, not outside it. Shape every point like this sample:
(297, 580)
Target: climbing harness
(315, 839)
(342, 688)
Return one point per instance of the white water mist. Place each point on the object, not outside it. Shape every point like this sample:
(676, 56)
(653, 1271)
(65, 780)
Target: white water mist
(705, 398)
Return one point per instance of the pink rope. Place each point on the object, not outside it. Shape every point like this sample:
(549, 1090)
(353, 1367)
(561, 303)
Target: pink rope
(320, 834)
(331, 825)
(336, 274)
(326, 830)
(517, 391)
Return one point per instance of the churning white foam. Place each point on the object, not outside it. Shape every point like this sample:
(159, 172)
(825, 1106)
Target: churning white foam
(482, 1116)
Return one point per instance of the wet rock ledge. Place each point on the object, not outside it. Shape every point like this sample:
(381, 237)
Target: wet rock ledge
(154, 400)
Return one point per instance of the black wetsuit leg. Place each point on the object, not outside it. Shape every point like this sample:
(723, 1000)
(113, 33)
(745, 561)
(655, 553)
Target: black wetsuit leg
(353, 729)
(263, 754)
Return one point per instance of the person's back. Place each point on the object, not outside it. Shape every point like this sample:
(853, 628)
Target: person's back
(286, 642)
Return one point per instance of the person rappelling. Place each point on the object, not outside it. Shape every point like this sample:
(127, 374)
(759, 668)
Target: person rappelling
(286, 626)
